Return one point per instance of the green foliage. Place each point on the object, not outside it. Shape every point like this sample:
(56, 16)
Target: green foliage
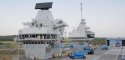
(98, 41)
(7, 38)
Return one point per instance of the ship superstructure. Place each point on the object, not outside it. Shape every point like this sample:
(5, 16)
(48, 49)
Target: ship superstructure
(82, 34)
(42, 34)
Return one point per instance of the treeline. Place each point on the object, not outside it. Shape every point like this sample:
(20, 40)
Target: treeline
(98, 41)
(7, 38)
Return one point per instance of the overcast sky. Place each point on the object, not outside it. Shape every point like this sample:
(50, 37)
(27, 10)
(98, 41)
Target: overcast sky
(105, 17)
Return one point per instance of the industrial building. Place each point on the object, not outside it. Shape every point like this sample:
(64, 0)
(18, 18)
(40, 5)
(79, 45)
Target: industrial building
(115, 41)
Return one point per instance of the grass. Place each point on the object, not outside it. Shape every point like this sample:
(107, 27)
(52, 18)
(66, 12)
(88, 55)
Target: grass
(10, 47)
(9, 44)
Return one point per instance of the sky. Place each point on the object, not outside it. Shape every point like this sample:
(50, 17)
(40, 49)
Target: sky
(105, 17)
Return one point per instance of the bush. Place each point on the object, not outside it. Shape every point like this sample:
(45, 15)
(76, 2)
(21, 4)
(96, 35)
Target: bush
(98, 41)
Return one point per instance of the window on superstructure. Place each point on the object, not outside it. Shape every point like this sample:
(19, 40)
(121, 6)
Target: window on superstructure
(32, 42)
(37, 35)
(33, 36)
(23, 36)
(41, 25)
(59, 22)
(54, 36)
(30, 36)
(26, 42)
(44, 36)
(90, 35)
(41, 42)
(36, 25)
(51, 36)
(35, 42)
(48, 42)
(32, 24)
(41, 36)
(38, 42)
(26, 36)
(44, 42)
(48, 36)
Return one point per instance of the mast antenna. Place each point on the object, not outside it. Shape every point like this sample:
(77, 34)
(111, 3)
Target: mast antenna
(81, 11)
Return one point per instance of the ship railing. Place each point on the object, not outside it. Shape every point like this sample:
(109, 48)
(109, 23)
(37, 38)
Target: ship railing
(80, 38)
(38, 39)
(17, 39)
(89, 39)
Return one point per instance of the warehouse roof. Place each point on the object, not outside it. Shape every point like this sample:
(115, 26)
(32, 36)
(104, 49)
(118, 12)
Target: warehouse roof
(115, 38)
